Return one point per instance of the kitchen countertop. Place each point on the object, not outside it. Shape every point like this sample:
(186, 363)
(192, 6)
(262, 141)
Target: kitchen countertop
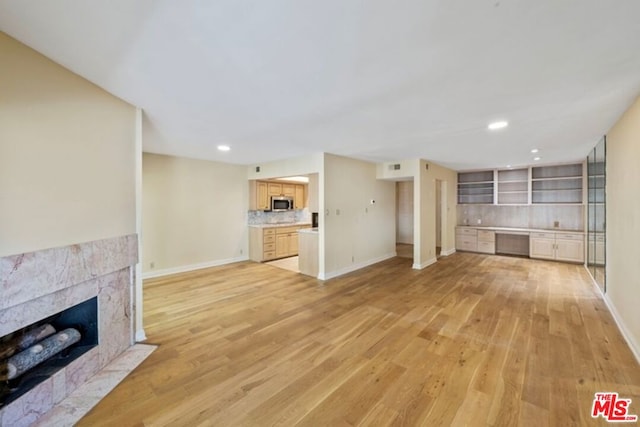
(284, 224)
(520, 230)
(309, 230)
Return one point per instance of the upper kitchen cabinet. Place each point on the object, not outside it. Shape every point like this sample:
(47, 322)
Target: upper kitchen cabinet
(275, 189)
(260, 193)
(299, 197)
(475, 187)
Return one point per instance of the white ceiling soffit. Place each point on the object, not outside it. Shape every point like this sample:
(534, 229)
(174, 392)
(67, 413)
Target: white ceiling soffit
(376, 80)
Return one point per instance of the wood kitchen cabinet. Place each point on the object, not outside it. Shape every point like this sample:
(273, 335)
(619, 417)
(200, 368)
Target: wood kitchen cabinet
(289, 190)
(260, 193)
(287, 241)
(273, 242)
(275, 189)
(262, 196)
(299, 198)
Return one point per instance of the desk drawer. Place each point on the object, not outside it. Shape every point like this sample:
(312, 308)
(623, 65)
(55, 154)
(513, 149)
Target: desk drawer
(467, 231)
(570, 236)
(537, 235)
(486, 236)
(466, 243)
(487, 247)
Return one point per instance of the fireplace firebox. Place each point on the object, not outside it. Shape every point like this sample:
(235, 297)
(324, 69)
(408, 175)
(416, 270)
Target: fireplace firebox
(82, 318)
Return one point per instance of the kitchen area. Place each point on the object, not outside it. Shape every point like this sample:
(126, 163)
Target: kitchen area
(283, 223)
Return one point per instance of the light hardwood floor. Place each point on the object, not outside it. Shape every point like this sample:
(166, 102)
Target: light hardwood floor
(471, 340)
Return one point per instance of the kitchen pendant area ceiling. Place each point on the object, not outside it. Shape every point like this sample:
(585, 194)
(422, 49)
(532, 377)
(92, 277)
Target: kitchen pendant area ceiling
(378, 81)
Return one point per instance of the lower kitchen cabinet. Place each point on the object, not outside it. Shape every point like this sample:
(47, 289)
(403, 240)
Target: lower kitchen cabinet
(273, 242)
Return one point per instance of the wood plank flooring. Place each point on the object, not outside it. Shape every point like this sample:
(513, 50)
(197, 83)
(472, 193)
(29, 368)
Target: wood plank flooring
(471, 340)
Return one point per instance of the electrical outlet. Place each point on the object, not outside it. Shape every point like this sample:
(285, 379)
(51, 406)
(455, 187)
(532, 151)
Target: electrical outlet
(556, 224)
(240, 251)
(152, 265)
(337, 211)
(479, 221)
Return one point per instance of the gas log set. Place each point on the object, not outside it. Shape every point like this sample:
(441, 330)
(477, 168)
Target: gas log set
(25, 349)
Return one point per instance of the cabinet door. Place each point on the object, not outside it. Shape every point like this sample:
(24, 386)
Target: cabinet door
(569, 250)
(542, 248)
(262, 196)
(299, 197)
(275, 189)
(282, 245)
(289, 190)
(293, 244)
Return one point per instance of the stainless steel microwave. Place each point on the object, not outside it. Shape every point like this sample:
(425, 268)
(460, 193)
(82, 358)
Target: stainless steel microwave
(281, 203)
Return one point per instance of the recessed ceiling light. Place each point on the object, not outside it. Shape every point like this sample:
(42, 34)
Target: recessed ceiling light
(534, 150)
(224, 148)
(497, 125)
(536, 158)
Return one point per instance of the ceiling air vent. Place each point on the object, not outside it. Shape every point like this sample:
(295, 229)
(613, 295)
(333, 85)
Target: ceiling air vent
(394, 167)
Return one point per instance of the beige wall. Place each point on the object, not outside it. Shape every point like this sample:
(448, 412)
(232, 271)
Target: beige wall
(194, 213)
(404, 212)
(623, 223)
(67, 156)
(424, 250)
(356, 233)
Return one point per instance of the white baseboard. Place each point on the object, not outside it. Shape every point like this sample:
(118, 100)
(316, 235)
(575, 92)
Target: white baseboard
(191, 267)
(449, 252)
(628, 337)
(626, 334)
(425, 264)
(140, 335)
(355, 267)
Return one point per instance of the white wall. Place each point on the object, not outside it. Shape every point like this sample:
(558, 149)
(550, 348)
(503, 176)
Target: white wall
(194, 213)
(356, 233)
(302, 165)
(623, 224)
(67, 156)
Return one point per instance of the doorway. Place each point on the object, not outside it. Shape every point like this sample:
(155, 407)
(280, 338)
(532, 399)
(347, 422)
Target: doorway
(441, 215)
(404, 219)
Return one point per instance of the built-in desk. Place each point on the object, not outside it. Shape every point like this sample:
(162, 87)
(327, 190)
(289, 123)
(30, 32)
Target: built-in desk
(559, 245)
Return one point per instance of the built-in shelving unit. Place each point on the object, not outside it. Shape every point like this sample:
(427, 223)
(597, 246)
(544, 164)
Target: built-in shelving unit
(557, 184)
(513, 187)
(475, 187)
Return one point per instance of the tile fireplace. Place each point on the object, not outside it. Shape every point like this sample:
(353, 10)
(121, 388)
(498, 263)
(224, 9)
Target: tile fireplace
(35, 287)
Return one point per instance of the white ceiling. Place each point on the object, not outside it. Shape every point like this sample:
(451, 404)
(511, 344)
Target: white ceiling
(378, 80)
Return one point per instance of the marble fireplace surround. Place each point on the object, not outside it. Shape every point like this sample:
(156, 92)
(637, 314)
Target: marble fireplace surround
(36, 285)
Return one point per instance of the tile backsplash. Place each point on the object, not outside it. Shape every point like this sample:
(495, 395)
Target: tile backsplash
(568, 217)
(266, 217)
